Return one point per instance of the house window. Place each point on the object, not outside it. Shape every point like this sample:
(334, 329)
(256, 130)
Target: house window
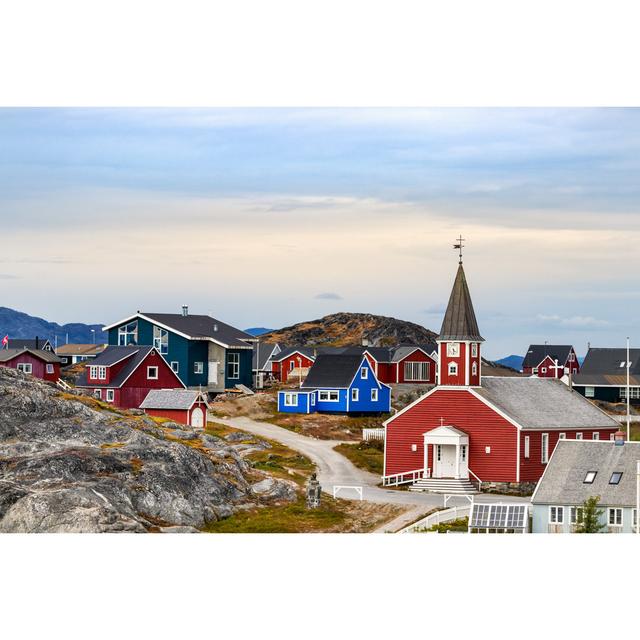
(526, 446)
(161, 340)
(576, 515)
(364, 373)
(615, 478)
(612, 437)
(595, 436)
(589, 392)
(416, 371)
(545, 448)
(292, 365)
(474, 350)
(97, 393)
(534, 370)
(634, 393)
(110, 395)
(328, 396)
(198, 367)
(556, 515)
(152, 373)
(65, 360)
(579, 435)
(453, 369)
(49, 368)
(175, 366)
(102, 373)
(453, 349)
(562, 436)
(233, 366)
(93, 372)
(374, 395)
(544, 369)
(313, 399)
(590, 477)
(474, 369)
(615, 517)
(128, 334)
(355, 395)
(572, 357)
(290, 399)
(25, 367)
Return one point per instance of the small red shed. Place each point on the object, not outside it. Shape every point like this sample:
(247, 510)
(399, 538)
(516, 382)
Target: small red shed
(185, 406)
(292, 358)
(37, 362)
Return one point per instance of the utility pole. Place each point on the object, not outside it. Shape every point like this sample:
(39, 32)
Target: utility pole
(637, 496)
(628, 394)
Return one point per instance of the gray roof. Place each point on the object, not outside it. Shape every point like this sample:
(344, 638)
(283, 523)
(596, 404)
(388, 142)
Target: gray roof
(314, 352)
(264, 351)
(46, 356)
(177, 399)
(563, 481)
(602, 367)
(197, 326)
(543, 403)
(335, 371)
(536, 353)
(21, 343)
(404, 350)
(460, 319)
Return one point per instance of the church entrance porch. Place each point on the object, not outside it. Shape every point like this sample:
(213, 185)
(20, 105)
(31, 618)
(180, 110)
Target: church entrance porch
(446, 452)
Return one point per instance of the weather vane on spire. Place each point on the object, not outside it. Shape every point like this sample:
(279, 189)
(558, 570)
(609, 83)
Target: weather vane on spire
(459, 246)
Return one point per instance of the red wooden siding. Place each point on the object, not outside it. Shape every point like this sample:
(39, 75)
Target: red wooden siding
(474, 380)
(445, 378)
(38, 367)
(458, 408)
(181, 416)
(282, 369)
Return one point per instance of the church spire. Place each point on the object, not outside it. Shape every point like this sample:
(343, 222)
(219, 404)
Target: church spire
(460, 319)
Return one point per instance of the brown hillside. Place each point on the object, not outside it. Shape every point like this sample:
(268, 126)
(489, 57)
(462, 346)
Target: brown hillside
(344, 329)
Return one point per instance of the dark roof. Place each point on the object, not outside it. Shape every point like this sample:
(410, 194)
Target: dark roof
(197, 326)
(176, 399)
(265, 351)
(314, 352)
(333, 370)
(46, 356)
(460, 319)
(607, 366)
(134, 356)
(563, 481)
(20, 343)
(536, 353)
(543, 403)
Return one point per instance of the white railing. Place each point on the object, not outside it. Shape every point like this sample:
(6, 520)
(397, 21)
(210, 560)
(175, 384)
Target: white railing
(478, 479)
(63, 385)
(373, 434)
(404, 478)
(446, 515)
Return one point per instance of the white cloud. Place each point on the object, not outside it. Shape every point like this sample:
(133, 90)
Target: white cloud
(572, 321)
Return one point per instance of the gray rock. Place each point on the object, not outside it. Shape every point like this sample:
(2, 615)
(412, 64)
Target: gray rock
(274, 489)
(238, 436)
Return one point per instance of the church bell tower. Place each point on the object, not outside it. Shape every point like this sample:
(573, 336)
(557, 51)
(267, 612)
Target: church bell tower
(459, 342)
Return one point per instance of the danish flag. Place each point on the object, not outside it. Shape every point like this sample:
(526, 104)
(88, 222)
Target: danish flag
(5, 341)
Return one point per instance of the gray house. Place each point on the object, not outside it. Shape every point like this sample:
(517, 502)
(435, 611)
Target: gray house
(580, 469)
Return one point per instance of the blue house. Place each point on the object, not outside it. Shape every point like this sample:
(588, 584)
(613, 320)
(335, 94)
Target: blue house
(338, 383)
(204, 352)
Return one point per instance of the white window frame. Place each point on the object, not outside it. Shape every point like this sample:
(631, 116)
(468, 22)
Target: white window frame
(355, 395)
(615, 511)
(556, 515)
(453, 368)
(149, 376)
(374, 395)
(544, 369)
(290, 399)
(198, 367)
(175, 366)
(292, 365)
(125, 331)
(97, 393)
(589, 392)
(325, 395)
(161, 340)
(25, 367)
(233, 366)
(579, 435)
(544, 448)
(364, 373)
(313, 399)
(634, 393)
(534, 370)
(102, 373)
(527, 446)
(576, 515)
(562, 436)
(93, 372)
(50, 368)
(595, 435)
(110, 396)
(474, 350)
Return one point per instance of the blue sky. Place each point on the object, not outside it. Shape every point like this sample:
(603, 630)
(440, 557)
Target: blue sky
(272, 216)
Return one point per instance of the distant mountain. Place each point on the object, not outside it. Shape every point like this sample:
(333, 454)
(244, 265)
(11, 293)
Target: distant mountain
(515, 362)
(16, 324)
(345, 329)
(258, 331)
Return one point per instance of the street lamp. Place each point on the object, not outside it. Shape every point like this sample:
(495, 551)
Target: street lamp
(93, 335)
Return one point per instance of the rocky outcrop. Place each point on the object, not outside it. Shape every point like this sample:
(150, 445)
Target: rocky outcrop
(68, 467)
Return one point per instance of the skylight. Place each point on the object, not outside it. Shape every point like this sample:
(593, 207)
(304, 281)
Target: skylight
(590, 477)
(615, 477)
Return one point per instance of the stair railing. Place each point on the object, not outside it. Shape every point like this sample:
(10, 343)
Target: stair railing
(478, 480)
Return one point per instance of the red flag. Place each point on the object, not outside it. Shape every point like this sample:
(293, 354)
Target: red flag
(5, 341)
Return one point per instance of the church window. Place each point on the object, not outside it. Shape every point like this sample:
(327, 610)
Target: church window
(474, 350)
(545, 448)
(474, 369)
(453, 369)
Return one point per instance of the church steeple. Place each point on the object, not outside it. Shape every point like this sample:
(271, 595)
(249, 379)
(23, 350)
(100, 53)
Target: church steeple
(459, 340)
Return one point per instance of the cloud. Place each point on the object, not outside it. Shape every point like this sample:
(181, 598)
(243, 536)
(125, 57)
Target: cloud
(8, 276)
(328, 296)
(435, 310)
(573, 321)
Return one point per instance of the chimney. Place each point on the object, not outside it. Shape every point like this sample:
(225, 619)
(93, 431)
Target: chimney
(618, 438)
(215, 327)
(37, 342)
(185, 310)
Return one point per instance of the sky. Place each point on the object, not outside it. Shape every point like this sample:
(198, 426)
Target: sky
(268, 217)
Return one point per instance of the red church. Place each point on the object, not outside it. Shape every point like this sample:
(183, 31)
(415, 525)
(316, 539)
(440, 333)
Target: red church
(472, 431)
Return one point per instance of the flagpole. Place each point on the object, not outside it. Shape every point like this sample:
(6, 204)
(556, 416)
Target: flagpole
(628, 394)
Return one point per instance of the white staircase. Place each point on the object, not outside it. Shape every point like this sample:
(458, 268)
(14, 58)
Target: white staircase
(451, 486)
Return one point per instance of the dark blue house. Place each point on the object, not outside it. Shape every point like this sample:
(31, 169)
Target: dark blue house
(204, 352)
(338, 383)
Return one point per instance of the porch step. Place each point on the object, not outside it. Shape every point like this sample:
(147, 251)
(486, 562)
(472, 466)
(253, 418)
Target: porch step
(444, 485)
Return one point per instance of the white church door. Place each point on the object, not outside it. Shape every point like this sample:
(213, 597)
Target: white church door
(197, 418)
(444, 456)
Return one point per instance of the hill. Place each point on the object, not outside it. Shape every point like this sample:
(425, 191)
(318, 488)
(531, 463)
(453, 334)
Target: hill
(344, 329)
(16, 324)
(515, 362)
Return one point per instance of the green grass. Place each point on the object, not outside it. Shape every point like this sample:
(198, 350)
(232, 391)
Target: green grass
(292, 518)
(461, 524)
(364, 455)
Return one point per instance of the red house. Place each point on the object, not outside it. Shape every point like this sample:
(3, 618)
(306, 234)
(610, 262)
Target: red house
(125, 375)
(289, 359)
(470, 430)
(550, 361)
(410, 364)
(185, 406)
(37, 362)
